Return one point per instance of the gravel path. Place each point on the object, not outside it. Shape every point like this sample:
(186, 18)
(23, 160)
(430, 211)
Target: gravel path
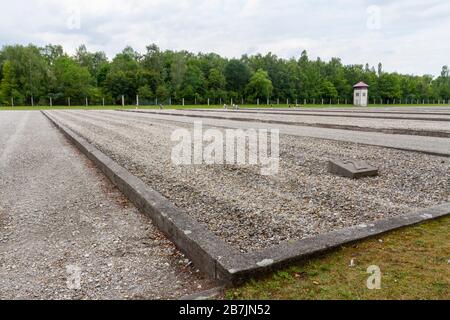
(253, 212)
(405, 142)
(326, 120)
(329, 113)
(57, 212)
(387, 110)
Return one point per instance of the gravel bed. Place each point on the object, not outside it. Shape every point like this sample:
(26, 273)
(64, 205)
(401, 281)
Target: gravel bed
(251, 211)
(330, 120)
(57, 211)
(306, 112)
(387, 110)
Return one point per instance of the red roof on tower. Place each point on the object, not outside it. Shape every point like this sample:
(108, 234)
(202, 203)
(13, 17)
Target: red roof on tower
(361, 85)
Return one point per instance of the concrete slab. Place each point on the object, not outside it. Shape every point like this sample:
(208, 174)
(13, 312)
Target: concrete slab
(352, 169)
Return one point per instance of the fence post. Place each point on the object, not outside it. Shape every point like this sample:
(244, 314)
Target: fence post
(87, 103)
(183, 102)
(137, 100)
(51, 102)
(123, 101)
(12, 102)
(257, 101)
(103, 101)
(68, 101)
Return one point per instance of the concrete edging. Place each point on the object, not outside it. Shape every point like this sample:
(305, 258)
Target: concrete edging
(211, 254)
(279, 256)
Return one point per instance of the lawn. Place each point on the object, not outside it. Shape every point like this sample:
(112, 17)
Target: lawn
(180, 107)
(415, 264)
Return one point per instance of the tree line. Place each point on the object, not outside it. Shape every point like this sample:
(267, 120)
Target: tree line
(34, 75)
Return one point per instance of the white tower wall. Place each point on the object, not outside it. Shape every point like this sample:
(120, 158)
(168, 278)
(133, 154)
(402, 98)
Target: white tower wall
(361, 97)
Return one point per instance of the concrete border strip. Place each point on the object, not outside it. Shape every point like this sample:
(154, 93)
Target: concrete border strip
(279, 256)
(424, 133)
(211, 254)
(205, 295)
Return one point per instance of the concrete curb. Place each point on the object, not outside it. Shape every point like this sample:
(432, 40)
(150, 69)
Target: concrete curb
(424, 133)
(280, 256)
(205, 295)
(211, 254)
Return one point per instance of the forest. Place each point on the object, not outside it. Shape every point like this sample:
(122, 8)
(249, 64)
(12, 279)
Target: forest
(32, 75)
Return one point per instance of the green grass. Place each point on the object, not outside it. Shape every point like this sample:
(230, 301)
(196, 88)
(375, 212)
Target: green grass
(414, 263)
(180, 107)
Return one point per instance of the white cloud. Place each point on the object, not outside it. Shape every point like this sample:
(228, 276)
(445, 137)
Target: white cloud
(412, 38)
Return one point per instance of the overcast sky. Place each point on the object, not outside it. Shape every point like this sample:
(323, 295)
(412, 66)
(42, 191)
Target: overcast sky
(408, 36)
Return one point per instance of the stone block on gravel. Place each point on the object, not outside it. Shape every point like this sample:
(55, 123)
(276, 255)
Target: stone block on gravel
(353, 169)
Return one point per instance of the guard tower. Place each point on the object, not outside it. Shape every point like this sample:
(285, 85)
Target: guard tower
(361, 95)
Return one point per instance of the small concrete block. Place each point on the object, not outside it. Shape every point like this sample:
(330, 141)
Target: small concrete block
(265, 263)
(352, 169)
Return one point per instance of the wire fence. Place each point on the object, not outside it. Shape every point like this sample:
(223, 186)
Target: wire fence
(155, 102)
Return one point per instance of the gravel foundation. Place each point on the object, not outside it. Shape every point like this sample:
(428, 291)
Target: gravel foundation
(329, 119)
(253, 212)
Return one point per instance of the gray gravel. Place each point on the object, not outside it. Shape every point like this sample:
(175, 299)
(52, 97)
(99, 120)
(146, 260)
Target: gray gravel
(351, 109)
(57, 210)
(431, 145)
(253, 212)
(330, 120)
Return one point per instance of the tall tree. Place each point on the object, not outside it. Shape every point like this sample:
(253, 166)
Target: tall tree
(260, 85)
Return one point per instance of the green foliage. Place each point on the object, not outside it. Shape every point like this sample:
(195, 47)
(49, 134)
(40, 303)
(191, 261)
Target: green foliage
(260, 85)
(328, 90)
(70, 80)
(390, 86)
(41, 73)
